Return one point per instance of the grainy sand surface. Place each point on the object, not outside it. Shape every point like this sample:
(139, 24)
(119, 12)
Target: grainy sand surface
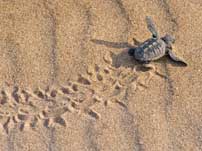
(67, 83)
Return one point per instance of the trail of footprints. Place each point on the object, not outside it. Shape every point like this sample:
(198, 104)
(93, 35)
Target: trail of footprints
(101, 85)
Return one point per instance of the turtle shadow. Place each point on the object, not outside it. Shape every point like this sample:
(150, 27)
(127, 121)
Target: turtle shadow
(112, 44)
(122, 59)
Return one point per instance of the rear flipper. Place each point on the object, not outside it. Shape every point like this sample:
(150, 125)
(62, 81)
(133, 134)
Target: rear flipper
(175, 58)
(136, 42)
(152, 71)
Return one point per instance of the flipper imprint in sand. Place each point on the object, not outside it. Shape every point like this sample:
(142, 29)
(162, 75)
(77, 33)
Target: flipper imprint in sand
(99, 85)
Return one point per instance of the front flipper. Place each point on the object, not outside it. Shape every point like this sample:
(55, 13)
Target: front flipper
(151, 27)
(175, 58)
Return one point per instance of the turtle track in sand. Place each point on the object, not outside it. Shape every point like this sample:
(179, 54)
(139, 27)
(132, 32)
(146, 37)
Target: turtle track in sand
(27, 108)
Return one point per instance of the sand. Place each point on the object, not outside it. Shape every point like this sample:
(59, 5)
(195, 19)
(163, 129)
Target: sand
(67, 83)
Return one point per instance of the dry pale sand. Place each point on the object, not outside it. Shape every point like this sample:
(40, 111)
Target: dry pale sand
(67, 83)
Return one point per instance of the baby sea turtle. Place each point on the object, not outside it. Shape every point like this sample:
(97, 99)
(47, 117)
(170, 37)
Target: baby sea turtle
(155, 47)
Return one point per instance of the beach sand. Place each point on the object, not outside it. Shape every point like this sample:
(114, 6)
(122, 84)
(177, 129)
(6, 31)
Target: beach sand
(67, 83)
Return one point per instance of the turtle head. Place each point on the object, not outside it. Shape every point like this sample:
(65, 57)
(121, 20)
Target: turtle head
(131, 51)
(168, 39)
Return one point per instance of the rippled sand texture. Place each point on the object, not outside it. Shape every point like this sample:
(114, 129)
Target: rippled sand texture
(67, 83)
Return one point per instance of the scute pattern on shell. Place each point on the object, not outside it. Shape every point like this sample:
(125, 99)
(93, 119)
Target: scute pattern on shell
(151, 49)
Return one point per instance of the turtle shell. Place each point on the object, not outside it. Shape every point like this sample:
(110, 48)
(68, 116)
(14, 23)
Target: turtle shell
(151, 49)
